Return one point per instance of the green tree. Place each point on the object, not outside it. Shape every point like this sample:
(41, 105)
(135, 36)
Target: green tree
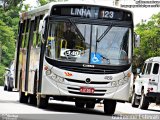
(150, 40)
(43, 2)
(9, 19)
(7, 43)
(2, 71)
(7, 46)
(9, 4)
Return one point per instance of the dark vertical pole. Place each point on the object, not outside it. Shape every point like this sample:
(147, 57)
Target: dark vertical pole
(19, 42)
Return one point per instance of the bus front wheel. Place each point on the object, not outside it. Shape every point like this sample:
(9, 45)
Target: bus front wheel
(109, 106)
(22, 97)
(42, 102)
(79, 104)
(134, 100)
(144, 102)
(5, 87)
(32, 99)
(90, 105)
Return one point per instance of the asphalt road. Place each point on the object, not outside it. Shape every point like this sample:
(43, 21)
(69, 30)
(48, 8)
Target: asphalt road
(11, 109)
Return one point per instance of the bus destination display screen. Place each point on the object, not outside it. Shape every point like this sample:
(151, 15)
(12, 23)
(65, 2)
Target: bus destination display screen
(92, 12)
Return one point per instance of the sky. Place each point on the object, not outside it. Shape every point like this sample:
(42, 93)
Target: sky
(139, 13)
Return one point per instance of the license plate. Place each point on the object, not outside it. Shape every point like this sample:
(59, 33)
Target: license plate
(86, 90)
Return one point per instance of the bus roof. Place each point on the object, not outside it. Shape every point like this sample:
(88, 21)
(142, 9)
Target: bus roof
(155, 59)
(45, 9)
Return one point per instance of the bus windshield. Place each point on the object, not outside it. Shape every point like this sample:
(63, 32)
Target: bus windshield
(88, 43)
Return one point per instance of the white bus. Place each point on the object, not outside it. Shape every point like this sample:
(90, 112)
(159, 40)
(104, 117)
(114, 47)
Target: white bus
(146, 88)
(75, 52)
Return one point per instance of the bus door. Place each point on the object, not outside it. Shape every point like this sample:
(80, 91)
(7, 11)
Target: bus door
(23, 54)
(34, 55)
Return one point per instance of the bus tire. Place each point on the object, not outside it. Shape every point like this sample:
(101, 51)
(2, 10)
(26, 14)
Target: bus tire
(90, 105)
(35, 83)
(42, 102)
(22, 97)
(32, 99)
(9, 88)
(144, 102)
(79, 104)
(109, 106)
(5, 87)
(134, 100)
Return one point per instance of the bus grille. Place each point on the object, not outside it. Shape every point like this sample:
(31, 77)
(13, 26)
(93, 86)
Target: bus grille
(77, 91)
(82, 81)
(90, 70)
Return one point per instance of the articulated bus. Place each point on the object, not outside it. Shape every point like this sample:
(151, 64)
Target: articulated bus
(75, 52)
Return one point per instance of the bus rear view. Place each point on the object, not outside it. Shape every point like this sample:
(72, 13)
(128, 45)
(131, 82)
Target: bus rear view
(86, 54)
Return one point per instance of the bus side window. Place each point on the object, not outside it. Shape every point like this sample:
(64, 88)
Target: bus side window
(27, 33)
(20, 33)
(155, 68)
(35, 33)
(31, 33)
(36, 36)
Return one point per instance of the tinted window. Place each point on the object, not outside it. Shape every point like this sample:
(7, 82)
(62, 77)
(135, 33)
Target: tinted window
(156, 68)
(149, 66)
(143, 69)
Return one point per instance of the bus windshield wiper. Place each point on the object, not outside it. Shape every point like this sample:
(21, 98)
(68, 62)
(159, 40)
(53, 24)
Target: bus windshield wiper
(100, 38)
(105, 32)
(108, 60)
(77, 30)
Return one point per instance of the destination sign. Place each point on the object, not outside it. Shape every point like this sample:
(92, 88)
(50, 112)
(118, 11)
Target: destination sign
(92, 12)
(70, 52)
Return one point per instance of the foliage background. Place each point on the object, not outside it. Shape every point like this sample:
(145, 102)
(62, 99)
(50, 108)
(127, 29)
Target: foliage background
(150, 40)
(9, 19)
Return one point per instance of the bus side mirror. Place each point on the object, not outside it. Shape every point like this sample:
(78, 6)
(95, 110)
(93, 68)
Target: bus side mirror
(7, 69)
(138, 70)
(42, 27)
(136, 40)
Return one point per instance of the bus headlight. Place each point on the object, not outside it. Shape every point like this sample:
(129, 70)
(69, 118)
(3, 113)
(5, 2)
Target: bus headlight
(48, 72)
(119, 82)
(61, 79)
(126, 79)
(114, 83)
(57, 78)
(54, 77)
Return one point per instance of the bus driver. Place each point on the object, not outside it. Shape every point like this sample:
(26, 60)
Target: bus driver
(69, 36)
